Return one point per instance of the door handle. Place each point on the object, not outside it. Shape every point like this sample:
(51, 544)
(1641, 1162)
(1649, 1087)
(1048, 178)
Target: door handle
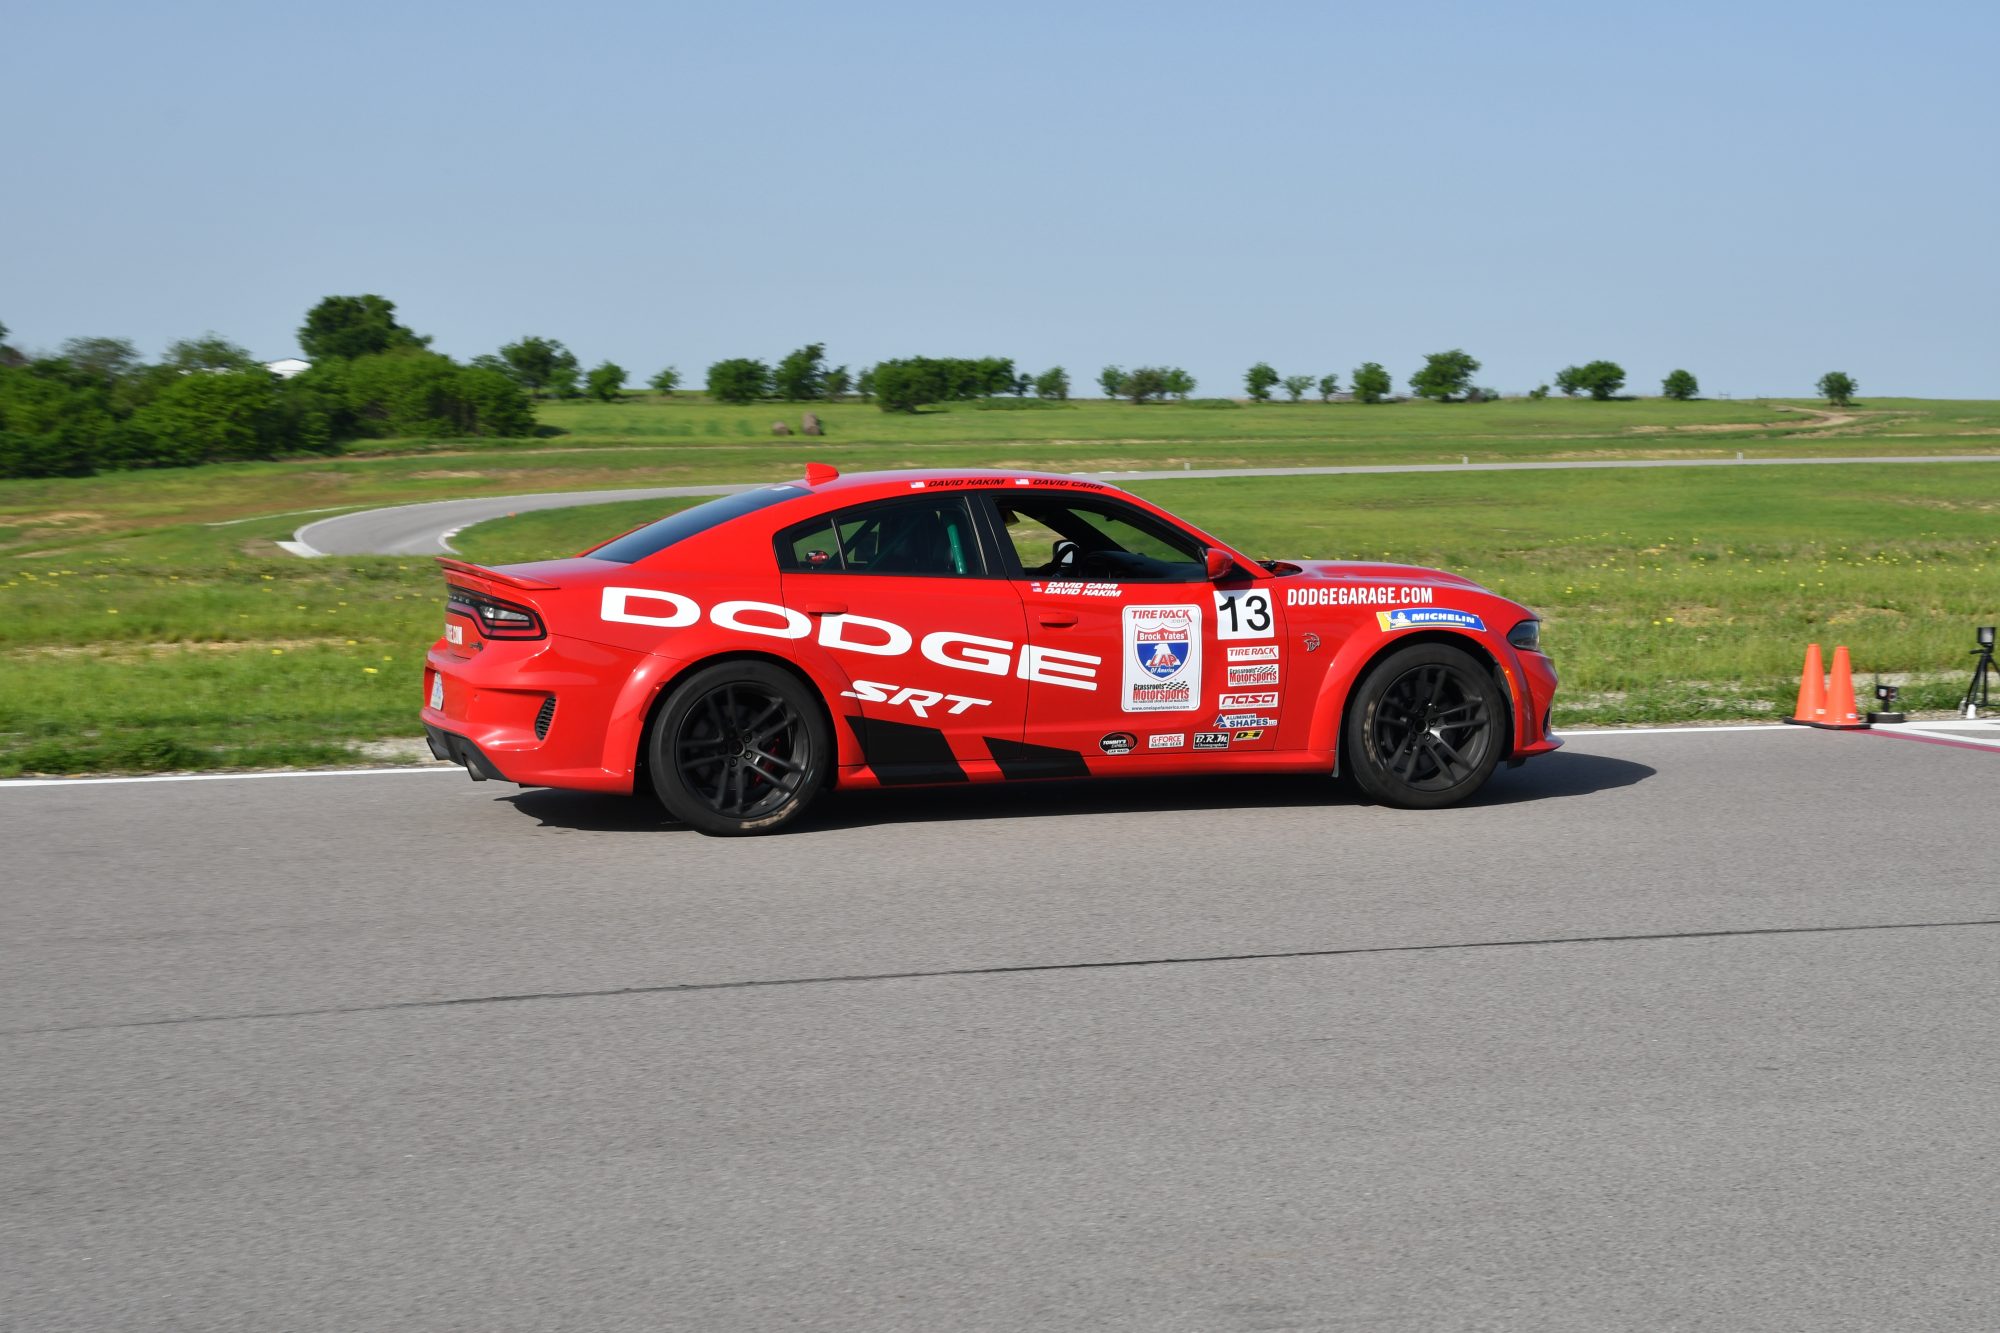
(824, 608)
(1057, 619)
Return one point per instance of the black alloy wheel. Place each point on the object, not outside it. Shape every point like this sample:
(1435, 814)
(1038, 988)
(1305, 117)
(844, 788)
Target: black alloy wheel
(740, 747)
(1426, 727)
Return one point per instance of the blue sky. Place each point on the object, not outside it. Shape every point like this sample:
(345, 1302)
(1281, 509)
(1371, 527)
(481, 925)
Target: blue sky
(1757, 192)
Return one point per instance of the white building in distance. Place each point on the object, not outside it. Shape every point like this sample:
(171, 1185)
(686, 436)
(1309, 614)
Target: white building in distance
(287, 367)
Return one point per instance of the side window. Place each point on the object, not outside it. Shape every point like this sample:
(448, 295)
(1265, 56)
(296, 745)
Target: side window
(921, 537)
(1058, 537)
(810, 548)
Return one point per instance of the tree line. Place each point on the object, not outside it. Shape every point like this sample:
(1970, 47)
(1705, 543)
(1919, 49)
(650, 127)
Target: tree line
(97, 404)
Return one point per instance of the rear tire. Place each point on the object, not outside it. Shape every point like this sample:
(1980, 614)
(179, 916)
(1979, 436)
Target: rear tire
(1425, 729)
(739, 748)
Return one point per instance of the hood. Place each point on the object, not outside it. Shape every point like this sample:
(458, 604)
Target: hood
(1374, 572)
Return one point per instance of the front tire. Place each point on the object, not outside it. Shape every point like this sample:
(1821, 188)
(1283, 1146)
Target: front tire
(739, 748)
(1425, 729)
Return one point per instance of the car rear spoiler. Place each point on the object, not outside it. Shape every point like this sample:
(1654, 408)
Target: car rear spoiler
(500, 577)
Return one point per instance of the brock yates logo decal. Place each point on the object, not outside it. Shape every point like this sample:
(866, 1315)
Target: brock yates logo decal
(1422, 617)
(1162, 659)
(1334, 594)
(659, 609)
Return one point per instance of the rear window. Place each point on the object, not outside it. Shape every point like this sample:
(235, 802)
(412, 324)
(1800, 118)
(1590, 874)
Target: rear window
(656, 537)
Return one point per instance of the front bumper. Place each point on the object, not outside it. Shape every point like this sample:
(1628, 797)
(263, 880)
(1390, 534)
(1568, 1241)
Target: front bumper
(1534, 722)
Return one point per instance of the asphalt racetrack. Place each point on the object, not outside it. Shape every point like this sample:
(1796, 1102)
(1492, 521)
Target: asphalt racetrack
(1690, 1031)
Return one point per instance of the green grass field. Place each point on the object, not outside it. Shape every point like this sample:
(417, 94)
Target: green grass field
(152, 624)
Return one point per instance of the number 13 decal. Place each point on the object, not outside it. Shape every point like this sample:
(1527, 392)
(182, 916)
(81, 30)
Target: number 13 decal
(1244, 614)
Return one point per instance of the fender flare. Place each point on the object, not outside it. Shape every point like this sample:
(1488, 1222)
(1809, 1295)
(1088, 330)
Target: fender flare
(1359, 655)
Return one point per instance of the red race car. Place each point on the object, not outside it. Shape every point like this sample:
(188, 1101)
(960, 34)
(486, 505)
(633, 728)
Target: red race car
(903, 628)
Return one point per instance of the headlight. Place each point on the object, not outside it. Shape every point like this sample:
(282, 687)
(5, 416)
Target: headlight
(1526, 635)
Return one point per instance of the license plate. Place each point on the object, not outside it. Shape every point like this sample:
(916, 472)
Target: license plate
(437, 692)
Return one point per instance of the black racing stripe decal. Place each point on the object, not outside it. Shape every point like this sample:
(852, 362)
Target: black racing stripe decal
(1020, 760)
(905, 755)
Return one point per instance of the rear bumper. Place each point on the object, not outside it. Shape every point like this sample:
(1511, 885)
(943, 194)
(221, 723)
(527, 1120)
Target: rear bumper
(554, 712)
(453, 748)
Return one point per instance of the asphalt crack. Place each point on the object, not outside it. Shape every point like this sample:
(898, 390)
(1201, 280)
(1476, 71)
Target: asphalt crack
(1014, 969)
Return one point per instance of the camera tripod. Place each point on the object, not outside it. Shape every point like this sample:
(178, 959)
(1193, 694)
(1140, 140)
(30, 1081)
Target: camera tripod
(1977, 694)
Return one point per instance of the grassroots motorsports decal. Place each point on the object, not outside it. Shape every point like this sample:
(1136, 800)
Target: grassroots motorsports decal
(1162, 659)
(1264, 673)
(1427, 617)
(1340, 594)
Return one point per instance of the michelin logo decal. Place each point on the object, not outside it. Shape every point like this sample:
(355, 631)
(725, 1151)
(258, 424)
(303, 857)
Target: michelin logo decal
(1427, 617)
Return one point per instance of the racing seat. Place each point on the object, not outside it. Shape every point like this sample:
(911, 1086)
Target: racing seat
(917, 540)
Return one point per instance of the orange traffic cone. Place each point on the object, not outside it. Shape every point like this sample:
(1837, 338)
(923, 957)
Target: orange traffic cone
(1840, 714)
(1812, 691)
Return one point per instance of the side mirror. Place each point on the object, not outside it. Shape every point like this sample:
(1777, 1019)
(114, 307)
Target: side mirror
(1218, 562)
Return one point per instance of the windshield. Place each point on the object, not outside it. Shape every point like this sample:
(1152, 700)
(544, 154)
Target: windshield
(657, 537)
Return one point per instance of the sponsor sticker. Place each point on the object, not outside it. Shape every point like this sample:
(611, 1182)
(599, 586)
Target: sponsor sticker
(454, 633)
(917, 701)
(1245, 720)
(1261, 699)
(1249, 735)
(657, 608)
(1252, 652)
(1211, 740)
(1337, 594)
(1267, 674)
(1118, 742)
(1172, 740)
(1162, 659)
(1424, 617)
(1077, 589)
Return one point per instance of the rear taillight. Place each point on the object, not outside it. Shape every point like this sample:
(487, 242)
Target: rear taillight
(496, 619)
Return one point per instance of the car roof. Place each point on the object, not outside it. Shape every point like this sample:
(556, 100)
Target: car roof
(903, 481)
